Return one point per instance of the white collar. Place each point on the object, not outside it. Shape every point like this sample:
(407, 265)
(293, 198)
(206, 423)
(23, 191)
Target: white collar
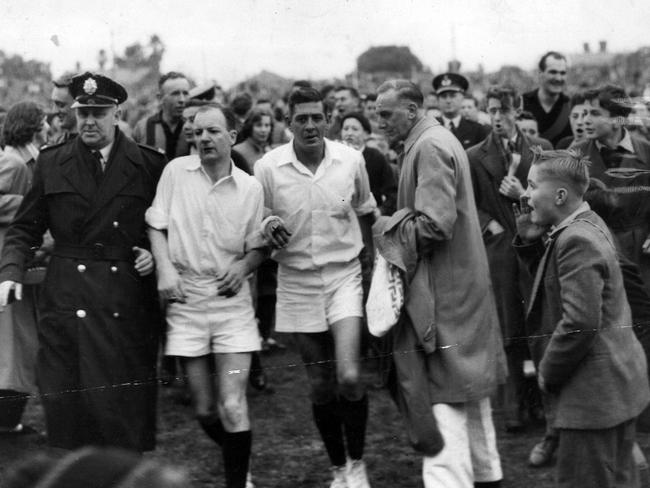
(624, 143)
(584, 206)
(455, 121)
(106, 151)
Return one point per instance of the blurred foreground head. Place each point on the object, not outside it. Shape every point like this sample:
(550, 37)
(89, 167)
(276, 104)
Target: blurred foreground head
(92, 467)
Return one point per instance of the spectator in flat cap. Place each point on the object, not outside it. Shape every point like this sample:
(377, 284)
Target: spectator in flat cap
(91, 194)
(164, 130)
(209, 93)
(450, 89)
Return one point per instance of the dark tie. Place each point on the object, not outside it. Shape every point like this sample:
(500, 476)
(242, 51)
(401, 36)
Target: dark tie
(612, 158)
(97, 169)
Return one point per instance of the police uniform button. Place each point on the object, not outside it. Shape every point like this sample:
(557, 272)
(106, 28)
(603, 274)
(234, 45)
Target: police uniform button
(116, 315)
(81, 314)
(113, 269)
(81, 268)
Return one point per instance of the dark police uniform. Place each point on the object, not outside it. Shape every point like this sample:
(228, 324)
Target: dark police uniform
(96, 361)
(468, 132)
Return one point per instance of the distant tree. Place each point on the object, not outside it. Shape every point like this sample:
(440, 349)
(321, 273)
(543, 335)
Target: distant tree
(138, 56)
(397, 59)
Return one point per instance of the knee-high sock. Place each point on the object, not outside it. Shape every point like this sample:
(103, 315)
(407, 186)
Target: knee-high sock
(256, 362)
(329, 425)
(214, 428)
(236, 457)
(355, 418)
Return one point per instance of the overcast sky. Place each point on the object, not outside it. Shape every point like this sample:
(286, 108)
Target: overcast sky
(228, 40)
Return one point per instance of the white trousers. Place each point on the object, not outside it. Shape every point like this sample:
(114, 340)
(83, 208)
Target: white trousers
(470, 453)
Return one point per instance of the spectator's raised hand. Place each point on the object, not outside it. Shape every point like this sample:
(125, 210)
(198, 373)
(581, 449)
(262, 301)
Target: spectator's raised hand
(527, 230)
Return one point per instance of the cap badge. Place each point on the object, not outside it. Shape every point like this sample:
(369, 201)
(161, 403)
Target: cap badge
(90, 86)
(445, 81)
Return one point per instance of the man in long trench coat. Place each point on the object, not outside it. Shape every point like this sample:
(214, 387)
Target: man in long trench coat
(96, 359)
(451, 319)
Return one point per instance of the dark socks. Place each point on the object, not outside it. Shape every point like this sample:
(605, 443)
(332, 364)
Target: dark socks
(355, 417)
(329, 425)
(214, 428)
(236, 456)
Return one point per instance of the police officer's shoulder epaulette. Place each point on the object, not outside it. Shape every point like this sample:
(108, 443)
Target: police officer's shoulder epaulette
(52, 146)
(151, 149)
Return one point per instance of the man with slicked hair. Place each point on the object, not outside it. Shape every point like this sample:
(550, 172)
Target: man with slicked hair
(449, 322)
(318, 194)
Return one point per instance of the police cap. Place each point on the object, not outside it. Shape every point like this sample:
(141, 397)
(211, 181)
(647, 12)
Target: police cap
(94, 90)
(450, 82)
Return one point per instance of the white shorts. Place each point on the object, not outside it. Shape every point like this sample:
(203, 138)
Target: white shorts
(310, 300)
(208, 323)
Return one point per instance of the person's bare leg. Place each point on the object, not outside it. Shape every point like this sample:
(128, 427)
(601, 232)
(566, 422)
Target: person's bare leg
(231, 378)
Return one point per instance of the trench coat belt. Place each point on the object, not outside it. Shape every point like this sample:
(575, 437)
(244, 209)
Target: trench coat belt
(94, 252)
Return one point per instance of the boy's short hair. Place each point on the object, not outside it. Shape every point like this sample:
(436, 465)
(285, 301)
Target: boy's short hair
(612, 98)
(525, 115)
(568, 165)
(507, 95)
(577, 99)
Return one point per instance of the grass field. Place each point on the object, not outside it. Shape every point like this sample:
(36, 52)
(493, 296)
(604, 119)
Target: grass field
(287, 449)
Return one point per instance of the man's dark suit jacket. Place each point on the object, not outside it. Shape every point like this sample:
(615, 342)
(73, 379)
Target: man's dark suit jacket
(469, 133)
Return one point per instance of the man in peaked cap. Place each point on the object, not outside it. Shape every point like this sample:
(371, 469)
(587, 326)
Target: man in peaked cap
(451, 88)
(96, 363)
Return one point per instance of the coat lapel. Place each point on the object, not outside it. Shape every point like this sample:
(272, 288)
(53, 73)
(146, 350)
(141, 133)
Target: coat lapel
(642, 150)
(541, 270)
(75, 168)
(122, 166)
(597, 168)
(492, 160)
(526, 160)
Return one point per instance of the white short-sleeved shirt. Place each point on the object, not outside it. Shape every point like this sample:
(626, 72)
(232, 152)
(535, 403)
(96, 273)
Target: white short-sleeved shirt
(209, 225)
(319, 209)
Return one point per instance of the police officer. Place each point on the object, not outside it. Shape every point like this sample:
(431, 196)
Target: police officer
(451, 88)
(96, 362)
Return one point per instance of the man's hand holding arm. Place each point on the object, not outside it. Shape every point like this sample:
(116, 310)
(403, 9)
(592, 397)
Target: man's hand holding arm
(169, 282)
(231, 281)
(144, 264)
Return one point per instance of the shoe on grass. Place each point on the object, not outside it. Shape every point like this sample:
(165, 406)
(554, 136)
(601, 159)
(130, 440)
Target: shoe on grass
(542, 453)
(249, 480)
(339, 477)
(356, 474)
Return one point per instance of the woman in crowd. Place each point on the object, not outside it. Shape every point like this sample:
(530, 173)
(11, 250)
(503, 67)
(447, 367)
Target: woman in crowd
(355, 131)
(24, 132)
(255, 137)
